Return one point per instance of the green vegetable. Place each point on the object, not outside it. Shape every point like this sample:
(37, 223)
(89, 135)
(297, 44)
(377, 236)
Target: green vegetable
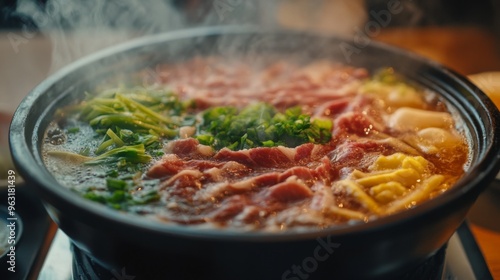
(129, 117)
(144, 197)
(115, 184)
(128, 154)
(117, 199)
(260, 125)
(94, 196)
(117, 196)
(73, 129)
(132, 154)
(121, 193)
(84, 151)
(112, 173)
(118, 142)
(131, 123)
(133, 106)
(139, 110)
(104, 145)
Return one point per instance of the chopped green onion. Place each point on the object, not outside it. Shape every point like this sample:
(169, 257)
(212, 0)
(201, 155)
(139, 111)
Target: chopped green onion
(118, 142)
(73, 130)
(104, 145)
(115, 184)
(95, 197)
(260, 125)
(117, 196)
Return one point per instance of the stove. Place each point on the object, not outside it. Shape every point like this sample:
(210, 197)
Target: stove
(459, 259)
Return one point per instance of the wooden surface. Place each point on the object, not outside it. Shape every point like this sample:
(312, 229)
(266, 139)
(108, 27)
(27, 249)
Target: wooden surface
(489, 242)
(467, 50)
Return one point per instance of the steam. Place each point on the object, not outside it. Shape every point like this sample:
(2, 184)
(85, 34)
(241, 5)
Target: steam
(77, 28)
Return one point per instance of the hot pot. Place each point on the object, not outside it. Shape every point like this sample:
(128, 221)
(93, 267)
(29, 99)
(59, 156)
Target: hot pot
(130, 245)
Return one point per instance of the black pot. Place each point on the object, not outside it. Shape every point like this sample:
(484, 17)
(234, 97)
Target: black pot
(385, 248)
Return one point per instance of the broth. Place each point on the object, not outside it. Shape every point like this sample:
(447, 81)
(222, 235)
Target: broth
(288, 146)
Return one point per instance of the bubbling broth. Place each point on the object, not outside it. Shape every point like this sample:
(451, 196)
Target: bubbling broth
(222, 144)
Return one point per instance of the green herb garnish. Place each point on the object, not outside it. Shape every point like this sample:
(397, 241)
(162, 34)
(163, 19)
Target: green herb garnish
(260, 125)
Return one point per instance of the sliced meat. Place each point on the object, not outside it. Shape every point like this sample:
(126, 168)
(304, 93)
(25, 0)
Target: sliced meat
(353, 123)
(292, 189)
(323, 198)
(270, 157)
(333, 107)
(241, 156)
(267, 179)
(303, 173)
(171, 164)
(357, 155)
(229, 208)
(167, 166)
(275, 157)
(183, 179)
(188, 148)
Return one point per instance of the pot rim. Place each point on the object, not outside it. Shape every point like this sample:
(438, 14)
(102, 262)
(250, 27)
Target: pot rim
(23, 142)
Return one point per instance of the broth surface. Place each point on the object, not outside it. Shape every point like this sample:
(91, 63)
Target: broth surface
(223, 144)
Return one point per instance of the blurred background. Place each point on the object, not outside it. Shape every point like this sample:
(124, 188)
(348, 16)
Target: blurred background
(38, 37)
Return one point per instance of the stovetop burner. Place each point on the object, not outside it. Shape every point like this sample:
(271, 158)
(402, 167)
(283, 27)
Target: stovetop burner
(460, 258)
(85, 268)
